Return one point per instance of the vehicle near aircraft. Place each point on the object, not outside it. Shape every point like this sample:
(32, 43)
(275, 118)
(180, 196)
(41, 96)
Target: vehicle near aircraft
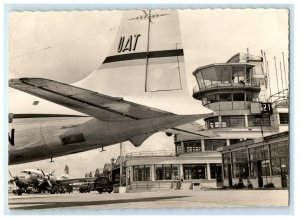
(29, 180)
(85, 188)
(103, 184)
(139, 89)
(100, 184)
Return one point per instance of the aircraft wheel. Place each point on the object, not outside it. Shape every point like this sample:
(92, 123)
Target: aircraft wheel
(19, 192)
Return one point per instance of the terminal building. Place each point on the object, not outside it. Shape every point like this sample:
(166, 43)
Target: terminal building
(252, 130)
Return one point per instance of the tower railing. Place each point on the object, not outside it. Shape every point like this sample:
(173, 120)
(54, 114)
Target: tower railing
(208, 86)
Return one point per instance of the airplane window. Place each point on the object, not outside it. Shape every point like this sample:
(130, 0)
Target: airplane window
(29, 172)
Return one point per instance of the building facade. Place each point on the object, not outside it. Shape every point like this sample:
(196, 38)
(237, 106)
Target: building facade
(243, 113)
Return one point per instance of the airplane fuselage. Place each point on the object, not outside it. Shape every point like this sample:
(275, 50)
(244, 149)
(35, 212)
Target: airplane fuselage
(34, 137)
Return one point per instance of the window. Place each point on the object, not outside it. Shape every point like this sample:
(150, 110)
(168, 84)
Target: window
(238, 75)
(223, 74)
(265, 165)
(212, 122)
(276, 170)
(258, 153)
(194, 171)
(72, 139)
(178, 148)
(212, 98)
(240, 170)
(192, 146)
(231, 121)
(240, 163)
(213, 144)
(234, 141)
(141, 173)
(226, 169)
(259, 120)
(284, 118)
(279, 149)
(225, 97)
(166, 172)
(226, 158)
(249, 96)
(238, 97)
(239, 156)
(216, 172)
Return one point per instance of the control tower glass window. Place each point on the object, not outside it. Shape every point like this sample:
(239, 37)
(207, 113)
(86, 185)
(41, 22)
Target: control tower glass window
(238, 97)
(259, 120)
(238, 75)
(225, 97)
(231, 121)
(212, 98)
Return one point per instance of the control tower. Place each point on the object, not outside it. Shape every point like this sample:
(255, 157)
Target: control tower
(237, 92)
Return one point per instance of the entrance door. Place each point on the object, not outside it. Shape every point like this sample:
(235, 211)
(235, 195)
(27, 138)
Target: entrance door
(219, 176)
(259, 174)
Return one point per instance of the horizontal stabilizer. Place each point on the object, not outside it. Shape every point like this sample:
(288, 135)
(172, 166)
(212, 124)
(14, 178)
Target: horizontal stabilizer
(138, 140)
(192, 129)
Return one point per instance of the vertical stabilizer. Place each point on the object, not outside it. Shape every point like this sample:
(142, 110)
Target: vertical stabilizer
(145, 62)
(65, 173)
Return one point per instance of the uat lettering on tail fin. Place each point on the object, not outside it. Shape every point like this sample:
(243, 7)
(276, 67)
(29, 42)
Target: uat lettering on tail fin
(146, 56)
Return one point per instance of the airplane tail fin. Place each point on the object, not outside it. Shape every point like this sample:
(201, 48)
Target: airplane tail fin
(65, 173)
(146, 59)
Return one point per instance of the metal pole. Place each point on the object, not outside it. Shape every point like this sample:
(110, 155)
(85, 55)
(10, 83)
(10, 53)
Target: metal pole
(268, 74)
(121, 163)
(284, 69)
(276, 74)
(281, 76)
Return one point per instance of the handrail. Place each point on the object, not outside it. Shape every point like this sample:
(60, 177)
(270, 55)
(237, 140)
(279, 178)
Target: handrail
(165, 153)
(207, 86)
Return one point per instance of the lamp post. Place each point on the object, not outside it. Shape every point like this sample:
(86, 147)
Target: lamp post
(121, 163)
(112, 164)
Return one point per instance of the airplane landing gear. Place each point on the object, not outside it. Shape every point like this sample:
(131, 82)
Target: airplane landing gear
(19, 191)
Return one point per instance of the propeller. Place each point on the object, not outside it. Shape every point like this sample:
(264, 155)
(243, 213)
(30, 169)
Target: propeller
(12, 179)
(47, 178)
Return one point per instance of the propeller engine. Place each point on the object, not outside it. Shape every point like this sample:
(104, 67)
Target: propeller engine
(47, 178)
(13, 179)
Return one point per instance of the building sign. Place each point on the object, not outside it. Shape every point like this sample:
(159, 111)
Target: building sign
(266, 107)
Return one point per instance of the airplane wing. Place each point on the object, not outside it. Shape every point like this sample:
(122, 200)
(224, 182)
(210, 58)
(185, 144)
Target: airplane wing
(76, 180)
(97, 105)
(191, 129)
(100, 106)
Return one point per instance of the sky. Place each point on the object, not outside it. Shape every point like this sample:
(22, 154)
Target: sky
(67, 46)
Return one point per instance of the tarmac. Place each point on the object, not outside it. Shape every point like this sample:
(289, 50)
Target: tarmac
(151, 200)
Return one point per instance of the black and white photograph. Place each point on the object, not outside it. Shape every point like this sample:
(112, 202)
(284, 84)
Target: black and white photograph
(148, 108)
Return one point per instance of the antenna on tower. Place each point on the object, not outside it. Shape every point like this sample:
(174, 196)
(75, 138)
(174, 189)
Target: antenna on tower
(281, 76)
(276, 74)
(268, 74)
(284, 70)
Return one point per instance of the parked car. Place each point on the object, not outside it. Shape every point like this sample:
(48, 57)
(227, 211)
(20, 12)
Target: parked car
(103, 184)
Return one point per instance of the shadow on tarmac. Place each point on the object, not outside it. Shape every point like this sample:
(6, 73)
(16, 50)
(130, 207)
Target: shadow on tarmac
(47, 205)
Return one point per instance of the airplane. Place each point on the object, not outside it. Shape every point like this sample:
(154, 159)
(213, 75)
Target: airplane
(138, 90)
(41, 181)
